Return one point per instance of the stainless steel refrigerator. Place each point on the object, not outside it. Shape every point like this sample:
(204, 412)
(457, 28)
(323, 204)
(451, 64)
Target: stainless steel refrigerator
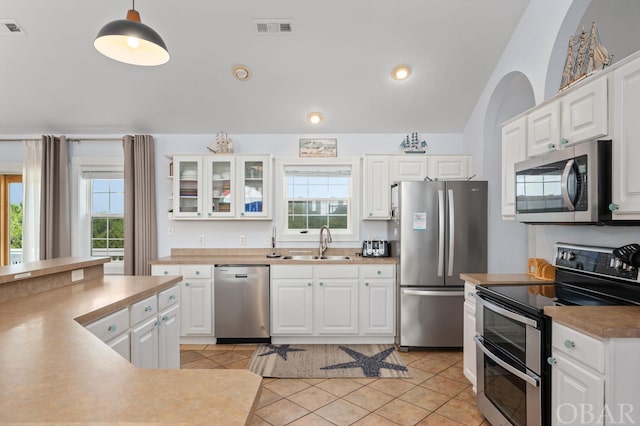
(438, 230)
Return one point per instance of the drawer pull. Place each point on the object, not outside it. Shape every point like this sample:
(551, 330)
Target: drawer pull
(166, 272)
(613, 207)
(186, 284)
(148, 309)
(157, 323)
(564, 141)
(165, 318)
(112, 328)
(197, 272)
(551, 146)
(366, 284)
(321, 283)
(379, 272)
(172, 297)
(551, 361)
(569, 344)
(308, 284)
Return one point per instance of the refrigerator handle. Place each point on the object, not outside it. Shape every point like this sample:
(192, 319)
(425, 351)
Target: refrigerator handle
(452, 230)
(441, 229)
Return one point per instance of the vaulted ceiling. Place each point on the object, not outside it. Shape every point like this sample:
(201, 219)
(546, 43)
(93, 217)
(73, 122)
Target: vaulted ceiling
(337, 60)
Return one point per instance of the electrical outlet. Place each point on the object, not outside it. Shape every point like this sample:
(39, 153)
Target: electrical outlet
(243, 240)
(201, 239)
(170, 231)
(77, 275)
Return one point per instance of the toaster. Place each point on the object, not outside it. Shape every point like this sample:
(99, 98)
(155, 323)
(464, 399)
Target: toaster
(375, 248)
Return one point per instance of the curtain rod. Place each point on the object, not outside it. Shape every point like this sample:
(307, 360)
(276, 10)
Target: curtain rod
(68, 139)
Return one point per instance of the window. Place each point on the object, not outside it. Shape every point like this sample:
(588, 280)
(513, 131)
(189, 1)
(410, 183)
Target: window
(107, 218)
(11, 218)
(317, 193)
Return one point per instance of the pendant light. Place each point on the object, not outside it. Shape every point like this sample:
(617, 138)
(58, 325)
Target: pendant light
(132, 42)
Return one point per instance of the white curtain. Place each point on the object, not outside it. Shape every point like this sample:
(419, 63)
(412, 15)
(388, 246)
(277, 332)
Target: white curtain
(32, 186)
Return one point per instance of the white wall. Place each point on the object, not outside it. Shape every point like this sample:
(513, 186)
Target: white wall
(537, 50)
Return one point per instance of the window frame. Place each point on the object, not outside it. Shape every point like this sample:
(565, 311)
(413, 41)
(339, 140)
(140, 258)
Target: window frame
(352, 233)
(6, 179)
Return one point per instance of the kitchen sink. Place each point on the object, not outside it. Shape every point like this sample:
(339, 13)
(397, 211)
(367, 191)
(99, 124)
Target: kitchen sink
(316, 258)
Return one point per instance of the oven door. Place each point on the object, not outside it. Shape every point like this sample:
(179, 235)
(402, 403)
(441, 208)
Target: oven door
(508, 392)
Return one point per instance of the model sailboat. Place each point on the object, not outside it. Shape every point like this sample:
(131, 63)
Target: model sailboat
(585, 55)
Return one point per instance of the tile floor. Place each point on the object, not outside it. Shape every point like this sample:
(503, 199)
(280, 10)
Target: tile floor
(437, 394)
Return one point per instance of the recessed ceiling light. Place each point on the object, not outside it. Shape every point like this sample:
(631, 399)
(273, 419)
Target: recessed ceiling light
(400, 72)
(315, 117)
(241, 72)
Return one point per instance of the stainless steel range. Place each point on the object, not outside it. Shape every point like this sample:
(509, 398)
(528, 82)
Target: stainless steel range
(514, 335)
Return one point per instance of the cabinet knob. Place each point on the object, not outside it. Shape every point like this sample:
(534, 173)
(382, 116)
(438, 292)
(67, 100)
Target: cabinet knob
(308, 284)
(471, 294)
(157, 323)
(569, 344)
(172, 297)
(564, 141)
(366, 284)
(148, 308)
(209, 214)
(370, 214)
(613, 207)
(112, 328)
(166, 272)
(321, 283)
(242, 214)
(551, 361)
(186, 284)
(199, 214)
(165, 318)
(379, 272)
(551, 146)
(197, 272)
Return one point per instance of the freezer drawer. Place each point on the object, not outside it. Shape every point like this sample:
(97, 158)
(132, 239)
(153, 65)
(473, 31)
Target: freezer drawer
(431, 317)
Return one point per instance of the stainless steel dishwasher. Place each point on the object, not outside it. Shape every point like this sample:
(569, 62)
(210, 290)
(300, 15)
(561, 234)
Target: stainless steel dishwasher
(241, 303)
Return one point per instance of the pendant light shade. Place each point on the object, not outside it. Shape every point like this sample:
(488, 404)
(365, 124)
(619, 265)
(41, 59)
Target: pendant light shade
(132, 42)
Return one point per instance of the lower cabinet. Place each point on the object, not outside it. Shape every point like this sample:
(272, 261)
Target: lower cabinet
(469, 332)
(142, 335)
(593, 381)
(332, 300)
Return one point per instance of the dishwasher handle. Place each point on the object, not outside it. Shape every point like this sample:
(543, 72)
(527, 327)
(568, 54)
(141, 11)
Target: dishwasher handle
(242, 276)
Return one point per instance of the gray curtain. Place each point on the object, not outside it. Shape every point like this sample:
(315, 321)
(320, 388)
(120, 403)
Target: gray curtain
(140, 233)
(55, 235)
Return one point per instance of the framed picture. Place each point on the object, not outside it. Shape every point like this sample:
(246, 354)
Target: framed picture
(318, 147)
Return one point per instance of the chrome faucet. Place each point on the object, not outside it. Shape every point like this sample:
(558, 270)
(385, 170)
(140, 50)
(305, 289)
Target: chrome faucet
(324, 242)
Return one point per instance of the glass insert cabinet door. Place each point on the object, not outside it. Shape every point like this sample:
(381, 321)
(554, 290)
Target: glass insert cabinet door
(187, 191)
(222, 187)
(253, 187)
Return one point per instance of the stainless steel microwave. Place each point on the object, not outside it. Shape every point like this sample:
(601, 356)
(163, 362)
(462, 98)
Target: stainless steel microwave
(571, 185)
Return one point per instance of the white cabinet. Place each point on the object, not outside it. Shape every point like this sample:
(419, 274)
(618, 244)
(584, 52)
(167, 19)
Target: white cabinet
(584, 112)
(113, 329)
(593, 381)
(291, 300)
(221, 187)
(543, 129)
(514, 147)
(377, 191)
(412, 167)
(333, 300)
(145, 344)
(469, 332)
(377, 300)
(449, 167)
(169, 338)
(626, 142)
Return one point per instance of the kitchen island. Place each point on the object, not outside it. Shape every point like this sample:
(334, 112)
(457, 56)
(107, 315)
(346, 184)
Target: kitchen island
(55, 371)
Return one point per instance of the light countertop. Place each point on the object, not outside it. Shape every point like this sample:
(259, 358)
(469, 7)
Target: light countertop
(479, 279)
(601, 322)
(55, 371)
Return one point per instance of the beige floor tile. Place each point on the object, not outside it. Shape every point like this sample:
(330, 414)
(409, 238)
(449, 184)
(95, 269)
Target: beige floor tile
(311, 419)
(462, 412)
(455, 373)
(417, 376)
(246, 347)
(368, 398)
(189, 356)
(374, 420)
(239, 365)
(312, 398)
(393, 387)
(339, 387)
(281, 412)
(364, 381)
(411, 356)
(192, 347)
(425, 398)
(313, 381)
(221, 347)
(431, 365)
(267, 397)
(286, 387)
(227, 357)
(468, 396)
(247, 354)
(203, 363)
(259, 421)
(438, 420)
(444, 385)
(341, 412)
(402, 412)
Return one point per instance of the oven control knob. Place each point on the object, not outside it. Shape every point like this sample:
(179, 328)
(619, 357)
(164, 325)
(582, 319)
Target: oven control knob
(551, 361)
(571, 255)
(617, 264)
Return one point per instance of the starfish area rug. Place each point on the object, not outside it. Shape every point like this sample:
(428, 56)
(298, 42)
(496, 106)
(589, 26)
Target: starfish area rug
(327, 361)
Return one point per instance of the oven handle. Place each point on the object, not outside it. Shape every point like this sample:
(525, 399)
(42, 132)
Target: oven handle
(509, 314)
(565, 185)
(432, 293)
(533, 381)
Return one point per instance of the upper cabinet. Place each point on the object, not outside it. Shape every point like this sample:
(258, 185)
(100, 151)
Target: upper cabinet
(577, 116)
(221, 187)
(514, 147)
(626, 142)
(380, 171)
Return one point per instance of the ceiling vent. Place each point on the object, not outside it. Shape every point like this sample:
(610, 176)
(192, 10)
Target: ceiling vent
(273, 26)
(10, 27)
